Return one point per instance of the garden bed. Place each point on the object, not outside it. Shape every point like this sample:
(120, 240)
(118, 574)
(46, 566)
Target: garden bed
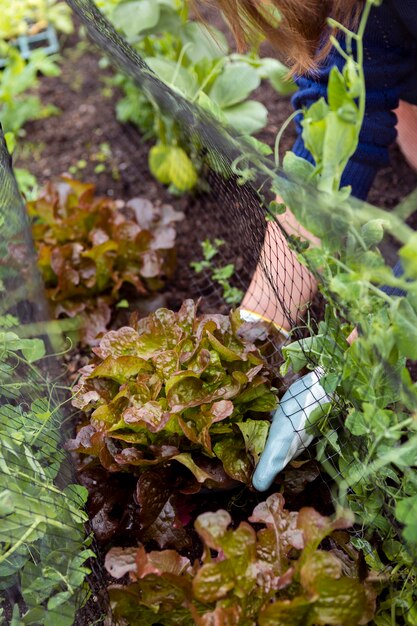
(87, 141)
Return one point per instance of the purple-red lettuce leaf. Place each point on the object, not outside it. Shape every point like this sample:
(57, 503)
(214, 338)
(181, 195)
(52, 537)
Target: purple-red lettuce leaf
(92, 246)
(179, 380)
(241, 578)
(126, 606)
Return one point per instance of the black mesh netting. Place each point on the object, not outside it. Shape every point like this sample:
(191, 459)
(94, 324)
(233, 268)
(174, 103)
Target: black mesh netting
(52, 555)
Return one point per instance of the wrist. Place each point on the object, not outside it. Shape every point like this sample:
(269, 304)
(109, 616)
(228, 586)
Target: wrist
(252, 316)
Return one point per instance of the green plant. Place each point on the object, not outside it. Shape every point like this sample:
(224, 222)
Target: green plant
(43, 544)
(90, 250)
(176, 387)
(273, 574)
(196, 62)
(26, 182)
(220, 275)
(331, 127)
(102, 158)
(104, 162)
(368, 439)
(25, 17)
(16, 79)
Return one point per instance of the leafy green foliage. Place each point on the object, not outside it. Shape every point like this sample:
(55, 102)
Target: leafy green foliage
(274, 575)
(171, 165)
(220, 275)
(196, 62)
(17, 78)
(26, 182)
(368, 439)
(27, 17)
(176, 387)
(43, 545)
(19, 102)
(91, 249)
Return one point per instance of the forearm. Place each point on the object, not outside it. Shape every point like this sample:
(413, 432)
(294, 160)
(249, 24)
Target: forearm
(281, 286)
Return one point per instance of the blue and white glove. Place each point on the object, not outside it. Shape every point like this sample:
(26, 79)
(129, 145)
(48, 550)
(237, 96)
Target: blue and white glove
(289, 434)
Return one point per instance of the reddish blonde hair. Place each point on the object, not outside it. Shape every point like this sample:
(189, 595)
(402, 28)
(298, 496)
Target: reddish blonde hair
(300, 33)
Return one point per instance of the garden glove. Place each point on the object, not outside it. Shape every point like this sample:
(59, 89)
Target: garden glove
(289, 434)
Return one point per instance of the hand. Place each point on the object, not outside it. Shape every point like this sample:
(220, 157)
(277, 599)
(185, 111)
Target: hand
(288, 435)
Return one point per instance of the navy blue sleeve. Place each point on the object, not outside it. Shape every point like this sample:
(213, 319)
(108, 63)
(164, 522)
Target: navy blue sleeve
(388, 65)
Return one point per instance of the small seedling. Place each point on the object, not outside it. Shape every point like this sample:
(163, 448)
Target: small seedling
(221, 275)
(80, 165)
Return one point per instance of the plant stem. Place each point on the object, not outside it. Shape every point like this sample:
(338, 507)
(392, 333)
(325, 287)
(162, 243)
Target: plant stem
(21, 541)
(280, 134)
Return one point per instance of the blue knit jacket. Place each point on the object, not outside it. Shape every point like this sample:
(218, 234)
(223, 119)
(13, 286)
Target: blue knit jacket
(390, 66)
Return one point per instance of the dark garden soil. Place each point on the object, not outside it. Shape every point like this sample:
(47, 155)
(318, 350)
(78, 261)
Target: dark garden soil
(87, 120)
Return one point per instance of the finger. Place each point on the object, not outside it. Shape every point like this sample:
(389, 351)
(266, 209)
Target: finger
(288, 436)
(282, 444)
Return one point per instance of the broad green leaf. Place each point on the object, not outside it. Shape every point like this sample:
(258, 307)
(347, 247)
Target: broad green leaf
(314, 128)
(408, 255)
(357, 423)
(177, 76)
(317, 111)
(60, 16)
(286, 613)
(10, 141)
(340, 601)
(66, 614)
(298, 167)
(134, 16)
(340, 141)
(240, 544)
(259, 146)
(186, 459)
(212, 107)
(212, 527)
(235, 84)
(248, 117)
(336, 90)
(47, 65)
(404, 325)
(121, 368)
(406, 512)
(169, 21)
(33, 349)
(254, 433)
(206, 42)
(171, 165)
(231, 451)
(277, 74)
(213, 581)
(6, 503)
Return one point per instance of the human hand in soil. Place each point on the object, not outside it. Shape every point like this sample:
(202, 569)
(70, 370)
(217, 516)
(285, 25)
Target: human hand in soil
(289, 434)
(279, 291)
